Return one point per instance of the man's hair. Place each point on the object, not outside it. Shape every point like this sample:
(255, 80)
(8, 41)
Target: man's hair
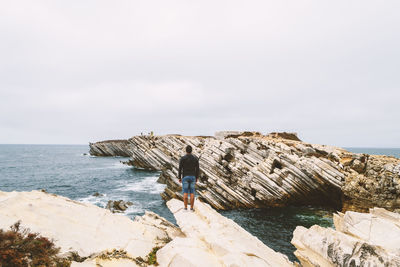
(189, 149)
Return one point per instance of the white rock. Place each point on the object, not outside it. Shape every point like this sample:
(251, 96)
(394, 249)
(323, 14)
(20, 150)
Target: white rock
(360, 239)
(84, 228)
(213, 240)
(105, 263)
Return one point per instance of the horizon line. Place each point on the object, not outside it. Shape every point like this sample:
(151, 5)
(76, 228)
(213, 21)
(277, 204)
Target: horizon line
(81, 144)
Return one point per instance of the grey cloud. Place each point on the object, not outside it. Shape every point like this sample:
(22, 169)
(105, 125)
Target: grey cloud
(91, 70)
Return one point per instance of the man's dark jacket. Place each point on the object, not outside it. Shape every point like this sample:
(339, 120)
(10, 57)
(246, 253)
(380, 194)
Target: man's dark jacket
(189, 166)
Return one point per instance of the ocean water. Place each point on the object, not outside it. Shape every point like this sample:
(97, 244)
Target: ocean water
(395, 152)
(66, 170)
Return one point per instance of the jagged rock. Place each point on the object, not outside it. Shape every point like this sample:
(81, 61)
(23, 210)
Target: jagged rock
(285, 135)
(360, 239)
(248, 169)
(235, 134)
(84, 228)
(373, 184)
(118, 205)
(103, 149)
(97, 194)
(213, 240)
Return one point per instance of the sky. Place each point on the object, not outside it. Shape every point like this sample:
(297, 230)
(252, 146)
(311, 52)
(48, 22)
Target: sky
(73, 72)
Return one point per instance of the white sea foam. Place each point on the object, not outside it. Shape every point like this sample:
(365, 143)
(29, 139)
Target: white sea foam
(102, 201)
(98, 201)
(119, 165)
(147, 184)
(115, 165)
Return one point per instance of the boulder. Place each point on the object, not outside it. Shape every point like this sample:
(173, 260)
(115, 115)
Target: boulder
(359, 239)
(118, 205)
(97, 194)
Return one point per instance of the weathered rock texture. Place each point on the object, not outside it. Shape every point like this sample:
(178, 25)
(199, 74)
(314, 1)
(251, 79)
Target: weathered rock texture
(248, 169)
(375, 182)
(84, 228)
(110, 148)
(116, 206)
(213, 240)
(206, 238)
(360, 239)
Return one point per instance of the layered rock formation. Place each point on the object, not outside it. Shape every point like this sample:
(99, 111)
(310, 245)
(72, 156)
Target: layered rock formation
(248, 169)
(110, 148)
(360, 239)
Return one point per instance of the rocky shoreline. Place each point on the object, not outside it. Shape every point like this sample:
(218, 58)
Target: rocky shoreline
(202, 238)
(359, 239)
(248, 169)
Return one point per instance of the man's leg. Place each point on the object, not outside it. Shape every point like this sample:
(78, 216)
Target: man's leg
(185, 199)
(185, 189)
(191, 188)
(192, 201)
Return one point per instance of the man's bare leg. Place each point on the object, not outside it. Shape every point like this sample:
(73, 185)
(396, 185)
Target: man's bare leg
(185, 199)
(192, 201)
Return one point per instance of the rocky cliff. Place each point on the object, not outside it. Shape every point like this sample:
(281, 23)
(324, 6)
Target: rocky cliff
(360, 239)
(248, 169)
(110, 148)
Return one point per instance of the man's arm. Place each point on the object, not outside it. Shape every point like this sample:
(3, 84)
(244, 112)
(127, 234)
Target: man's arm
(197, 169)
(180, 170)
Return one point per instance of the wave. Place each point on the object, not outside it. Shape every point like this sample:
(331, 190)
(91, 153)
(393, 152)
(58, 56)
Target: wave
(119, 165)
(115, 165)
(147, 185)
(101, 201)
(87, 155)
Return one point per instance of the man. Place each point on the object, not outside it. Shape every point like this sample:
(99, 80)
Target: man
(189, 170)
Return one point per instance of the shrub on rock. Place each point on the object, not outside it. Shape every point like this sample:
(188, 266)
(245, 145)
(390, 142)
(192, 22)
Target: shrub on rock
(20, 247)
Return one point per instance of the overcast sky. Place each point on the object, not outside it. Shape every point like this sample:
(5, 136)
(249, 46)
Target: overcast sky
(73, 72)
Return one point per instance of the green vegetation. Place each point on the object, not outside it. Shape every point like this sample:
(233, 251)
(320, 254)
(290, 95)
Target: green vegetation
(152, 257)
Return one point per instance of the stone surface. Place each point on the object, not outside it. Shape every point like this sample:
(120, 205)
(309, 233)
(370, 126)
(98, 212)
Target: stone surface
(205, 238)
(371, 181)
(118, 205)
(106, 263)
(84, 228)
(248, 169)
(213, 240)
(360, 239)
(118, 148)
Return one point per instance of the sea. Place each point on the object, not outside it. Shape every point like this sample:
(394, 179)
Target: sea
(70, 171)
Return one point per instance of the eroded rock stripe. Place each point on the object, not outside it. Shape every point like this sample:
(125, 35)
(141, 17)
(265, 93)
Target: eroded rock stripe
(247, 169)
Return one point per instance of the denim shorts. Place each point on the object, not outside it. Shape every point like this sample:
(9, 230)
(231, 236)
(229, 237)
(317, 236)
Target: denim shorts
(188, 183)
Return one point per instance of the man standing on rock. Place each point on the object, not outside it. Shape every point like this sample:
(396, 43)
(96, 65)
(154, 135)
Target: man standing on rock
(189, 170)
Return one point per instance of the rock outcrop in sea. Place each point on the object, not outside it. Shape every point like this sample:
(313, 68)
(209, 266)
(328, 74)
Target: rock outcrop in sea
(360, 239)
(101, 238)
(248, 169)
